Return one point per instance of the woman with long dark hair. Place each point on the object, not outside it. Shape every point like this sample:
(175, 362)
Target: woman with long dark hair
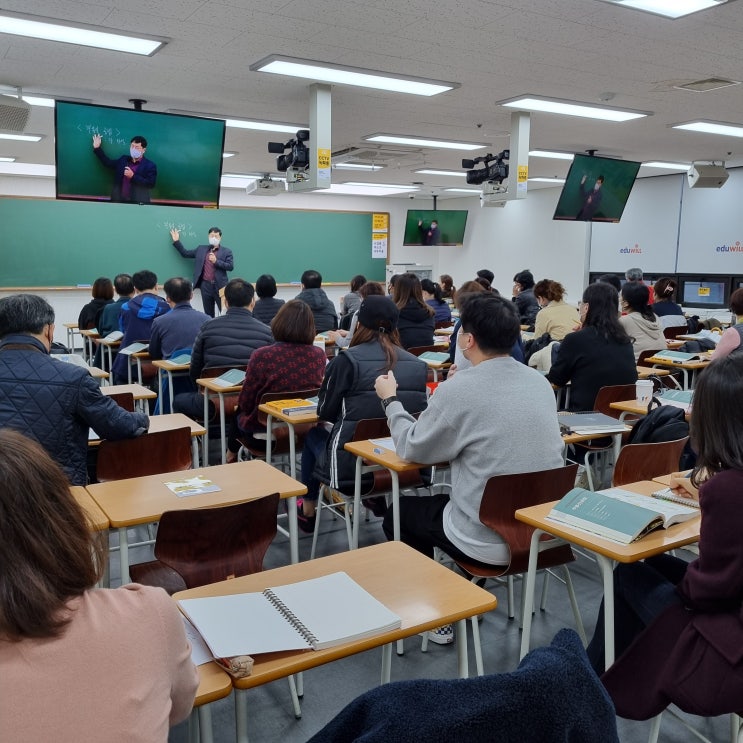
(433, 297)
(597, 355)
(77, 663)
(688, 615)
(347, 396)
(416, 323)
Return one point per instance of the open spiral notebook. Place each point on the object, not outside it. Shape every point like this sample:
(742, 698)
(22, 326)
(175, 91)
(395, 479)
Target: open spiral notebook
(309, 615)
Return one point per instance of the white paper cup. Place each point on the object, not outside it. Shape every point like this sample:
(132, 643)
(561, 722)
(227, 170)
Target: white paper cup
(643, 391)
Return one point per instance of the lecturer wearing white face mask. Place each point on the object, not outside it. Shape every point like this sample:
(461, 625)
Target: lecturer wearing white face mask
(134, 175)
(211, 263)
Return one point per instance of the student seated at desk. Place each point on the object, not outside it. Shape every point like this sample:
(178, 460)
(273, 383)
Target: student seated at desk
(599, 354)
(686, 617)
(342, 338)
(267, 305)
(103, 294)
(639, 320)
(78, 664)
(433, 297)
(347, 396)
(555, 317)
(351, 302)
(416, 323)
(669, 313)
(732, 339)
(290, 364)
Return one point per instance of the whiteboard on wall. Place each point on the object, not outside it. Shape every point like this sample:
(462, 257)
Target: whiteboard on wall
(711, 237)
(647, 234)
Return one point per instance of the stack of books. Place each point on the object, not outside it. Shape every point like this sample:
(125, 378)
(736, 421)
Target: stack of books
(231, 378)
(586, 424)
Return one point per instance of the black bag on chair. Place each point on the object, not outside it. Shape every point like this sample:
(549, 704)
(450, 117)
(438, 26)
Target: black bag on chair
(664, 423)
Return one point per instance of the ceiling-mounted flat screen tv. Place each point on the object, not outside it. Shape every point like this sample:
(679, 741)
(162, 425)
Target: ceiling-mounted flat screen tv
(596, 189)
(435, 227)
(105, 153)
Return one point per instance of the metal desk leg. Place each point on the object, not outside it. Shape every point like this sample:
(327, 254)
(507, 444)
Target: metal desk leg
(171, 390)
(607, 572)
(222, 428)
(292, 452)
(528, 589)
(160, 392)
(124, 556)
(462, 662)
(293, 530)
(241, 715)
(269, 438)
(356, 503)
(206, 733)
(195, 451)
(206, 428)
(386, 663)
(395, 505)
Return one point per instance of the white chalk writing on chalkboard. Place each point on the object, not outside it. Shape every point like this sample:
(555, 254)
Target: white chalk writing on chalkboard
(186, 230)
(108, 134)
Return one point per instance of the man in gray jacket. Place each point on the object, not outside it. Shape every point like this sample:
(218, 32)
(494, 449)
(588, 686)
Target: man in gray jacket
(496, 417)
(323, 310)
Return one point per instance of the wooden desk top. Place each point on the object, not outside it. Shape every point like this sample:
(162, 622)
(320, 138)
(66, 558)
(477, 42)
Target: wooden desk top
(170, 366)
(643, 372)
(278, 415)
(98, 519)
(666, 479)
(140, 392)
(71, 325)
(379, 455)
(423, 593)
(90, 333)
(577, 438)
(214, 683)
(654, 543)
(694, 364)
(166, 422)
(208, 384)
(104, 342)
(141, 500)
(632, 406)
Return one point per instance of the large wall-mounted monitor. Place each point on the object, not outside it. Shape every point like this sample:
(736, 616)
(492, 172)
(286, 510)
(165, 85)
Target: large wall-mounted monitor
(181, 165)
(708, 292)
(435, 227)
(596, 189)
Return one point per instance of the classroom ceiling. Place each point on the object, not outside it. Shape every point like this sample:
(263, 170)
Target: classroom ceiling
(582, 50)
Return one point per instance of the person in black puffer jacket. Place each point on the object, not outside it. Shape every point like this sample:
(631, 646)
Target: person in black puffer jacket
(416, 323)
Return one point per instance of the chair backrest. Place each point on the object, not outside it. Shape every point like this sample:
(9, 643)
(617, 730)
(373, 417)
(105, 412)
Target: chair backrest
(123, 400)
(610, 394)
(371, 428)
(206, 545)
(418, 350)
(646, 355)
(505, 494)
(647, 461)
(444, 324)
(675, 331)
(149, 454)
(217, 371)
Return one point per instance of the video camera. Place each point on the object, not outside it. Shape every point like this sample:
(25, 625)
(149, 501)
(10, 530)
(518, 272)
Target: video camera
(298, 158)
(494, 170)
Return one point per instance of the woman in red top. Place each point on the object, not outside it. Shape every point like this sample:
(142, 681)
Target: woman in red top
(290, 364)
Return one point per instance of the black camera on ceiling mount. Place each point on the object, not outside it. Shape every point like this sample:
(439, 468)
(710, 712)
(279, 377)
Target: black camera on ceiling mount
(494, 168)
(299, 155)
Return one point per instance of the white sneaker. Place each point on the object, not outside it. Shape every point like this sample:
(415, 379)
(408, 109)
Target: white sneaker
(442, 635)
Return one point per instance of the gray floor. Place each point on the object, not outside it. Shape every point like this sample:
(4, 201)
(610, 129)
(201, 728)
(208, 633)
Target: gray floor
(328, 688)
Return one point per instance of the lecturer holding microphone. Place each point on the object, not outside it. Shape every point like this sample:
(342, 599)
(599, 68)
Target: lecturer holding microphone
(211, 263)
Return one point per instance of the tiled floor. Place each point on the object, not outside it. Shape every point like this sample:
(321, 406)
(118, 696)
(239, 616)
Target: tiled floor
(328, 688)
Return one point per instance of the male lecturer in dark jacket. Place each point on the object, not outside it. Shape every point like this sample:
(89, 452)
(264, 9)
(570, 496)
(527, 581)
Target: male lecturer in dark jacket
(48, 400)
(211, 263)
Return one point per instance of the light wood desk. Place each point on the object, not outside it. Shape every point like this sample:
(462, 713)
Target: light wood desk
(143, 500)
(108, 347)
(140, 393)
(290, 421)
(72, 329)
(423, 593)
(634, 408)
(97, 519)
(436, 366)
(666, 479)
(210, 387)
(579, 438)
(171, 369)
(138, 357)
(687, 367)
(606, 551)
(643, 372)
(89, 337)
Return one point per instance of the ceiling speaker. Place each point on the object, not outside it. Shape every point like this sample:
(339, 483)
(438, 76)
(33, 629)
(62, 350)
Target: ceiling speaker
(706, 176)
(13, 113)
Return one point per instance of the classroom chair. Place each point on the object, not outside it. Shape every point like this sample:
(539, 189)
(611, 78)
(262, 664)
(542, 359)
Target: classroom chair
(647, 461)
(673, 332)
(438, 348)
(123, 400)
(736, 728)
(503, 495)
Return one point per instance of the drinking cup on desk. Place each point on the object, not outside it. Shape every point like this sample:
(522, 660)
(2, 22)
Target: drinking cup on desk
(643, 391)
(320, 342)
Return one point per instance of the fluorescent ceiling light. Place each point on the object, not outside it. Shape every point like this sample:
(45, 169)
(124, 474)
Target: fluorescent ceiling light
(711, 127)
(343, 75)
(401, 186)
(32, 169)
(427, 171)
(546, 180)
(668, 8)
(227, 153)
(356, 166)
(551, 155)
(264, 126)
(471, 191)
(82, 35)
(22, 137)
(35, 100)
(364, 189)
(7, 159)
(571, 108)
(443, 144)
(666, 166)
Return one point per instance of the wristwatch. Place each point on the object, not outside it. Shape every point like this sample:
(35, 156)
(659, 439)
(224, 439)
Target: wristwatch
(387, 401)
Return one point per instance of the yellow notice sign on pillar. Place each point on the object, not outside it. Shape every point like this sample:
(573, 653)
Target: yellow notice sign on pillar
(523, 173)
(380, 222)
(323, 159)
(380, 234)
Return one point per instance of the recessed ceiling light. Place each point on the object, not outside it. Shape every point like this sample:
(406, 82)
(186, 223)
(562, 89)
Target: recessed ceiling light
(227, 153)
(551, 155)
(424, 142)
(571, 108)
(666, 166)
(668, 8)
(7, 159)
(429, 171)
(264, 126)
(546, 180)
(471, 191)
(35, 100)
(343, 75)
(83, 35)
(22, 137)
(356, 166)
(401, 186)
(711, 127)
(364, 189)
(32, 169)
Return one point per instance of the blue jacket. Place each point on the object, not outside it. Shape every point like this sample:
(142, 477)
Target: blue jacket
(175, 330)
(223, 264)
(56, 403)
(135, 322)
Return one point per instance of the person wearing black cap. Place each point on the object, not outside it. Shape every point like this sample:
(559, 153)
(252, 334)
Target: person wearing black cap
(347, 396)
(523, 296)
(487, 274)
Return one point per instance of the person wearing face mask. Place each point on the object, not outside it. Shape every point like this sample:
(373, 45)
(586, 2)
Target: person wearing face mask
(211, 263)
(591, 196)
(134, 175)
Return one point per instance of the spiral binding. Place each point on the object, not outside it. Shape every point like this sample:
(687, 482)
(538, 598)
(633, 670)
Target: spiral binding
(290, 617)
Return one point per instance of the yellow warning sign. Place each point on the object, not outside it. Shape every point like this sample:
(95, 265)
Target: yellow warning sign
(523, 173)
(703, 291)
(380, 222)
(323, 159)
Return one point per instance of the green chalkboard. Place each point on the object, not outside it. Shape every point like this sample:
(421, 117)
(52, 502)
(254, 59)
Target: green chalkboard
(66, 243)
(186, 150)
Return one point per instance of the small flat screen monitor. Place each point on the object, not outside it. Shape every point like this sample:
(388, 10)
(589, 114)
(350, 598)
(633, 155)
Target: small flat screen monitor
(435, 227)
(181, 164)
(697, 291)
(596, 189)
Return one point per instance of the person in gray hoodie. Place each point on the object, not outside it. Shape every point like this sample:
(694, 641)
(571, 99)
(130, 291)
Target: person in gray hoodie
(639, 320)
(322, 308)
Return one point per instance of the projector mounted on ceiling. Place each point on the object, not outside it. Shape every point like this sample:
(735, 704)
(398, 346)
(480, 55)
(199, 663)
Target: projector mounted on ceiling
(702, 175)
(265, 187)
(13, 113)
